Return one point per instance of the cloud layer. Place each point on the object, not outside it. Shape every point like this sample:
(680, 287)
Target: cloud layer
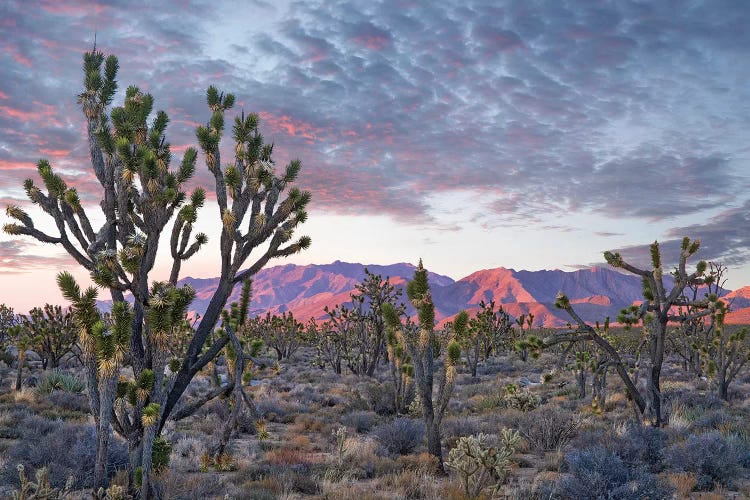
(628, 110)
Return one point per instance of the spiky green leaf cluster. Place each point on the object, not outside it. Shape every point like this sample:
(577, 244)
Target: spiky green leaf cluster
(167, 306)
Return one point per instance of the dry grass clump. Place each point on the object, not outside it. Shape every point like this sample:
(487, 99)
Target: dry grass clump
(186, 453)
(308, 423)
(683, 483)
(412, 484)
(178, 485)
(289, 456)
(422, 463)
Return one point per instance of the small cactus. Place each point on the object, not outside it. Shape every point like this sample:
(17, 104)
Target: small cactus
(480, 465)
(40, 488)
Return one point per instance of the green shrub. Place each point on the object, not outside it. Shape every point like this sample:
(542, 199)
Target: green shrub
(160, 454)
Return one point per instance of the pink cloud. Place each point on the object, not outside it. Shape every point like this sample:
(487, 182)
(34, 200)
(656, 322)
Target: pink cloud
(42, 111)
(372, 42)
(291, 126)
(72, 9)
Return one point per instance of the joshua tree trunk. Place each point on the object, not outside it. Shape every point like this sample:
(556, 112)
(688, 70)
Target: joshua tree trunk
(434, 447)
(582, 383)
(19, 371)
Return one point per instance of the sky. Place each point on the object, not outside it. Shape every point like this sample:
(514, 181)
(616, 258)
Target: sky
(473, 134)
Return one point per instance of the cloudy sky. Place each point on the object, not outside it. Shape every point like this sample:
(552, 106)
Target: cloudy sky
(474, 134)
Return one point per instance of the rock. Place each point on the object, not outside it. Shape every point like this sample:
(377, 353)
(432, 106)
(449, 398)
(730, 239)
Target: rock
(32, 356)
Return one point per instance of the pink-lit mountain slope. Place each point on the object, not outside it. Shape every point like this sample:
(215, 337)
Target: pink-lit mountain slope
(596, 292)
(739, 301)
(306, 290)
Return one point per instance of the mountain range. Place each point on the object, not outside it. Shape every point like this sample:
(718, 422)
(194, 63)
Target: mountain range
(596, 292)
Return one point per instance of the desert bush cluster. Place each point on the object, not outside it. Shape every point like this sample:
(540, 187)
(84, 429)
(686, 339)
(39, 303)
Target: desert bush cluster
(375, 400)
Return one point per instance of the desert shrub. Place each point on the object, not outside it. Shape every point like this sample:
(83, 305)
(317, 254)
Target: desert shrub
(70, 401)
(296, 459)
(688, 409)
(65, 449)
(491, 402)
(298, 482)
(460, 426)
(711, 420)
(307, 394)
(379, 398)
(360, 460)
(691, 399)
(597, 473)
(400, 436)
(709, 456)
(186, 452)
(741, 448)
(641, 444)
(178, 485)
(56, 380)
(548, 429)
(270, 408)
(412, 484)
(310, 423)
(360, 421)
(424, 463)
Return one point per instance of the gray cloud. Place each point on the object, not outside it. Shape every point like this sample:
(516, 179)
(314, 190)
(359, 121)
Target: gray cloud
(627, 109)
(724, 238)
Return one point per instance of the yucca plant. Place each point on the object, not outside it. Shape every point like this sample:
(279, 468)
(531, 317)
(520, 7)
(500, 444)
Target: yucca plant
(142, 193)
(57, 380)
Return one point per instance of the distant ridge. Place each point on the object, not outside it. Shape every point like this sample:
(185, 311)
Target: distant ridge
(306, 290)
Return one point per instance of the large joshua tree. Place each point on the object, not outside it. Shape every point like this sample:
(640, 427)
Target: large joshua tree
(423, 345)
(142, 194)
(660, 307)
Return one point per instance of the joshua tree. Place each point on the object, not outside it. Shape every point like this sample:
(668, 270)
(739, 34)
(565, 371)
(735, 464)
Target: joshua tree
(104, 342)
(420, 342)
(8, 319)
(23, 341)
(329, 343)
(51, 331)
(498, 327)
(237, 325)
(356, 334)
(131, 158)
(368, 300)
(525, 323)
(707, 347)
(489, 331)
(724, 354)
(281, 333)
(657, 310)
(402, 371)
